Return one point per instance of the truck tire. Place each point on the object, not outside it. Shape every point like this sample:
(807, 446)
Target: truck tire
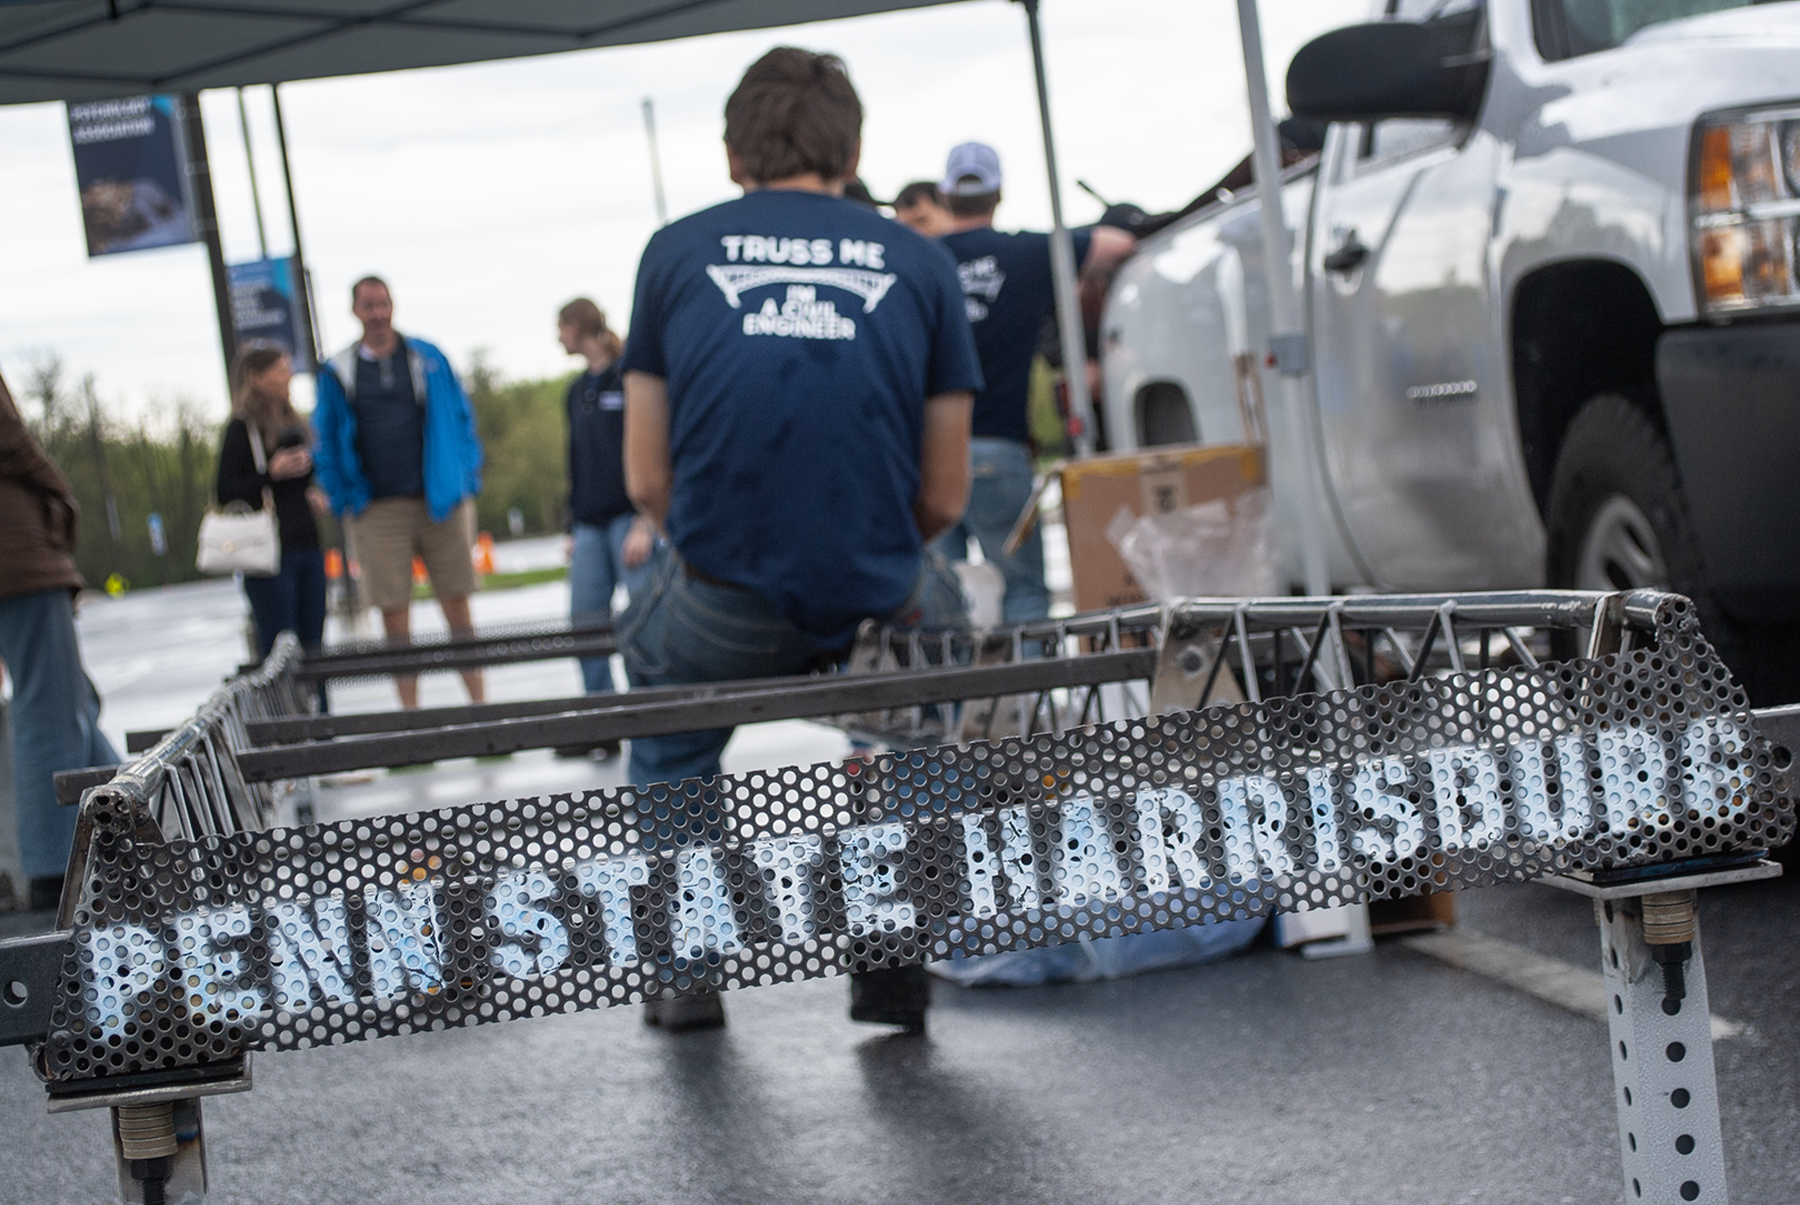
(1616, 519)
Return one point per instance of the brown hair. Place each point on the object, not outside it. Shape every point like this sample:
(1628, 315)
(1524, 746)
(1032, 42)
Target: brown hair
(589, 320)
(980, 205)
(918, 192)
(369, 280)
(794, 112)
(269, 415)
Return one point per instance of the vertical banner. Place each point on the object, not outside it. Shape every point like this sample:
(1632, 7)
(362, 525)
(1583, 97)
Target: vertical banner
(130, 173)
(263, 307)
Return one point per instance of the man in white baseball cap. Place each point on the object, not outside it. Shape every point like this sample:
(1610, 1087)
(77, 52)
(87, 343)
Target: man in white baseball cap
(973, 170)
(1009, 294)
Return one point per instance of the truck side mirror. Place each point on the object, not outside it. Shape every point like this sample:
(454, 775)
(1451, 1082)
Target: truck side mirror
(1387, 69)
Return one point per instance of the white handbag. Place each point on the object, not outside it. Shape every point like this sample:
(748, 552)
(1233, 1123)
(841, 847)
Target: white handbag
(236, 539)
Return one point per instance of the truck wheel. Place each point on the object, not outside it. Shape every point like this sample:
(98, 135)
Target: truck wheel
(1616, 519)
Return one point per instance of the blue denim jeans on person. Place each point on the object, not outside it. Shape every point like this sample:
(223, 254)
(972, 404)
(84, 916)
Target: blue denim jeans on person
(292, 600)
(1000, 479)
(55, 718)
(596, 568)
(685, 630)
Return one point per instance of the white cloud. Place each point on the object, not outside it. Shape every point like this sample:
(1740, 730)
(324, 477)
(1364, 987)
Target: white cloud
(490, 194)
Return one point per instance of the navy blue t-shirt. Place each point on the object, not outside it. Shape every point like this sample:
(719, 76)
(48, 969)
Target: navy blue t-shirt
(800, 335)
(597, 447)
(1009, 292)
(390, 426)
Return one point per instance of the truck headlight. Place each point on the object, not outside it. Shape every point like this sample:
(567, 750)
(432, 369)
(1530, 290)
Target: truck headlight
(1744, 201)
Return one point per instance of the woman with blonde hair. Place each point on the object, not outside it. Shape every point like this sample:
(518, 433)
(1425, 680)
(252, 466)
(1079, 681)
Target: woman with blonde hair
(280, 462)
(610, 543)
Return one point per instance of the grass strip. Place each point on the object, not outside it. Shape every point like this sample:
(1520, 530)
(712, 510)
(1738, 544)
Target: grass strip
(505, 581)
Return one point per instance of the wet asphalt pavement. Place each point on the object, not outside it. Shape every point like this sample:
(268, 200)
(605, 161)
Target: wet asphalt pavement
(1268, 1078)
(1384, 1078)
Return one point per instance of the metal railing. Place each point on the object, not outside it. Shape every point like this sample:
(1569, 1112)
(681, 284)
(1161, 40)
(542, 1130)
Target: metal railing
(504, 645)
(190, 784)
(909, 688)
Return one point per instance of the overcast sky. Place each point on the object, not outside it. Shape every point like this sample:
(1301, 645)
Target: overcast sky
(491, 194)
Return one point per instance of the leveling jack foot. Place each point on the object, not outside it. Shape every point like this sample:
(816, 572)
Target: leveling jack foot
(159, 1150)
(1670, 922)
(1664, 1083)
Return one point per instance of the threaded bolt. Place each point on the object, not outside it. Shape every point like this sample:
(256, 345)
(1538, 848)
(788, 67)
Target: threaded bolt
(1670, 924)
(147, 1131)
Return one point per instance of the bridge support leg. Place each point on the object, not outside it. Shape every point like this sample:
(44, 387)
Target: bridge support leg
(1663, 1081)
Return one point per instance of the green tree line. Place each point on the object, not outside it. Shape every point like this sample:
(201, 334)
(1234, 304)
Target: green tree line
(165, 463)
(524, 433)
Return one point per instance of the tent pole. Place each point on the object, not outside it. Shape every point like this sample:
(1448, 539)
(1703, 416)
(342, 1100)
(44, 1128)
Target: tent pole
(1062, 263)
(662, 206)
(206, 221)
(262, 234)
(302, 279)
(1287, 339)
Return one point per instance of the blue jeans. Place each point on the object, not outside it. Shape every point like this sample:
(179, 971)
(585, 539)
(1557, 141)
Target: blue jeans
(55, 718)
(999, 486)
(683, 630)
(596, 567)
(293, 600)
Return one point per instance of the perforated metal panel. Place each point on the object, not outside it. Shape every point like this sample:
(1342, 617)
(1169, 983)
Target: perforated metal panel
(192, 951)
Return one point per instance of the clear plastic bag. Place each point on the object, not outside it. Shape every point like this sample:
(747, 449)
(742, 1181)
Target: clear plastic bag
(1221, 548)
(1103, 957)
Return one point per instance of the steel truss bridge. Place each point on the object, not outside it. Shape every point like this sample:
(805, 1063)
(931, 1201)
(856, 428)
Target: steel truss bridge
(1117, 772)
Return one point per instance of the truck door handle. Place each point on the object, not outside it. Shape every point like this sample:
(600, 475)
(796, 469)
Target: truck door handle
(1348, 257)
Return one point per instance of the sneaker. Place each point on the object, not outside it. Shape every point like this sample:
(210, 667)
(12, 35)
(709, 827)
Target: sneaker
(678, 1014)
(891, 996)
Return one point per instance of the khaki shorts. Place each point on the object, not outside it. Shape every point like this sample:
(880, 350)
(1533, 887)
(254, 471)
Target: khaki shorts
(392, 531)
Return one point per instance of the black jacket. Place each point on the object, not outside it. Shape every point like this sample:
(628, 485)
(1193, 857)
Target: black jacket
(597, 448)
(240, 482)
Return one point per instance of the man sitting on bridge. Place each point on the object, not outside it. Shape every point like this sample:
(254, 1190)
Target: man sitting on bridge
(798, 384)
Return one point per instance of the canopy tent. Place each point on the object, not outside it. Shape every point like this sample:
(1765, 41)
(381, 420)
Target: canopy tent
(93, 49)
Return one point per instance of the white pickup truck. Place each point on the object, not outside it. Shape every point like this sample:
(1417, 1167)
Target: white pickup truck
(1548, 268)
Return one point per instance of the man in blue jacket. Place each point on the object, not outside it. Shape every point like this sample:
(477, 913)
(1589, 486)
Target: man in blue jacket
(399, 456)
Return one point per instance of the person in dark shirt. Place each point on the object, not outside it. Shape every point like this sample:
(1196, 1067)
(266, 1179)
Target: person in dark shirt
(610, 544)
(920, 206)
(797, 390)
(1009, 291)
(293, 599)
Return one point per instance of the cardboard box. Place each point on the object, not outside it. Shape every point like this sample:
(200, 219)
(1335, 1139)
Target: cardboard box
(1153, 482)
(1413, 914)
